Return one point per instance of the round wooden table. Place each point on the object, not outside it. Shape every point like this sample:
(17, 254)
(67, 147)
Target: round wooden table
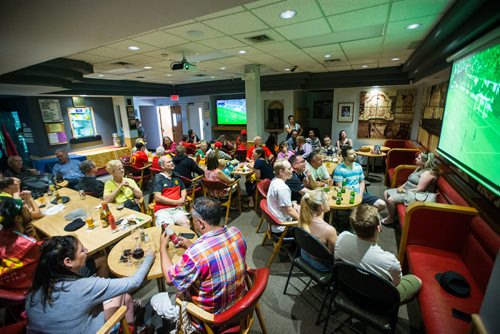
(371, 156)
(123, 269)
(344, 204)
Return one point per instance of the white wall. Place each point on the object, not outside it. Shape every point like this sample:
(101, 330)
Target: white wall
(288, 97)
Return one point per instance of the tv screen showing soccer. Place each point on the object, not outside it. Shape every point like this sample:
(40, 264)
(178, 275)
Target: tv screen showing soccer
(232, 112)
(470, 135)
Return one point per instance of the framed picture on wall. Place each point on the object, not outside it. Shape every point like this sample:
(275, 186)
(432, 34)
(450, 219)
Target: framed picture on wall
(323, 109)
(345, 112)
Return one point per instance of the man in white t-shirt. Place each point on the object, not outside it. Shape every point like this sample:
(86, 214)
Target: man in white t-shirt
(362, 250)
(279, 195)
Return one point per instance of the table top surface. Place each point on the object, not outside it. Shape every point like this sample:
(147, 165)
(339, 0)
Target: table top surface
(344, 205)
(123, 269)
(370, 154)
(330, 165)
(96, 239)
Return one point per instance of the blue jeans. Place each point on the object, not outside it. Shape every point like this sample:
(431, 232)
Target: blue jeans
(318, 265)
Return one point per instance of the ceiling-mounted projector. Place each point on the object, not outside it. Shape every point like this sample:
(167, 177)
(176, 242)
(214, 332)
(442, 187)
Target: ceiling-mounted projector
(182, 65)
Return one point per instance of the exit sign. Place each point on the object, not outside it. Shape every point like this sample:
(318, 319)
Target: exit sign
(174, 97)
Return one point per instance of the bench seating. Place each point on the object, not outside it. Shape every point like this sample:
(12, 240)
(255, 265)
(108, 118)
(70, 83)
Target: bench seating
(402, 152)
(447, 236)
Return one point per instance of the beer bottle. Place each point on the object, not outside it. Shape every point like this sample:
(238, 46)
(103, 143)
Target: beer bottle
(58, 197)
(351, 197)
(104, 214)
(344, 183)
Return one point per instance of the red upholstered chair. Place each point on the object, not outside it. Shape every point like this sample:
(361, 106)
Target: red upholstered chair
(211, 188)
(141, 176)
(262, 188)
(13, 302)
(125, 160)
(17, 328)
(396, 157)
(190, 151)
(277, 241)
(239, 317)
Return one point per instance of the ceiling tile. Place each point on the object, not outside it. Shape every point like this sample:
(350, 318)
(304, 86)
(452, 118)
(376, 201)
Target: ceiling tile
(306, 10)
(160, 39)
(140, 59)
(110, 53)
(412, 9)
(398, 27)
(190, 49)
(342, 36)
(89, 58)
(336, 7)
(123, 45)
(305, 29)
(192, 31)
(365, 46)
(359, 18)
(237, 23)
(275, 46)
(337, 68)
(269, 32)
(320, 51)
(229, 11)
(222, 42)
(260, 3)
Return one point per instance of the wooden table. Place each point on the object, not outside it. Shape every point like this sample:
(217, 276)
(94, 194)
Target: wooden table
(371, 157)
(344, 205)
(331, 165)
(121, 269)
(94, 240)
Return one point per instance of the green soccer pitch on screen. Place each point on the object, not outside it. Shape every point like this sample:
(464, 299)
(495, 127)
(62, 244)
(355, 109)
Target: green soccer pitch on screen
(470, 134)
(232, 112)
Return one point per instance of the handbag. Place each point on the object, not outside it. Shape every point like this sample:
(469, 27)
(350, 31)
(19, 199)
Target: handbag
(131, 204)
(419, 196)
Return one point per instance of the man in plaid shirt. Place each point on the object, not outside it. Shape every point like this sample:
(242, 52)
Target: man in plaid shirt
(211, 272)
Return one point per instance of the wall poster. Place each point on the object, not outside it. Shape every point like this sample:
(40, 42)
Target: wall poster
(51, 110)
(386, 113)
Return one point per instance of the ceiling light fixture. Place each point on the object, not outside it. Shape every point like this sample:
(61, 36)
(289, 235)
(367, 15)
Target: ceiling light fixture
(212, 77)
(100, 75)
(83, 95)
(134, 48)
(327, 56)
(222, 68)
(395, 59)
(364, 66)
(242, 52)
(169, 75)
(288, 14)
(413, 26)
(147, 67)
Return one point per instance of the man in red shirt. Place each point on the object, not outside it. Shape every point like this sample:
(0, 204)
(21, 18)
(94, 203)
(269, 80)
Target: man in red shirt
(257, 142)
(241, 140)
(139, 158)
(170, 195)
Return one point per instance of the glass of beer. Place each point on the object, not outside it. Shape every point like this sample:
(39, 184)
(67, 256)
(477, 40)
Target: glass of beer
(90, 222)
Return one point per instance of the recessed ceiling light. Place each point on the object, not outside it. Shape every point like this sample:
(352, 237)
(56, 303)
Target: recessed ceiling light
(100, 75)
(413, 26)
(364, 66)
(288, 14)
(287, 69)
(222, 68)
(169, 75)
(328, 56)
(133, 48)
(83, 95)
(395, 58)
(242, 52)
(212, 77)
(376, 86)
(147, 67)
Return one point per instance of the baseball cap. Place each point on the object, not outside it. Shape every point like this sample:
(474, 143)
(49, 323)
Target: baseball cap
(218, 144)
(454, 283)
(243, 132)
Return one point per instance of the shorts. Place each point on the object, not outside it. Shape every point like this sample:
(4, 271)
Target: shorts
(369, 198)
(408, 287)
(169, 216)
(89, 269)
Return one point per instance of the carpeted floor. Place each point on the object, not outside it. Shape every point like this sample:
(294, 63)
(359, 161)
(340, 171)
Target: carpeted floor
(296, 311)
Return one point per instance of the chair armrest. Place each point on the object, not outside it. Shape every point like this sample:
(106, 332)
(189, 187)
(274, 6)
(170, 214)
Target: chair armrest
(197, 311)
(290, 223)
(401, 174)
(199, 177)
(233, 183)
(115, 318)
(436, 225)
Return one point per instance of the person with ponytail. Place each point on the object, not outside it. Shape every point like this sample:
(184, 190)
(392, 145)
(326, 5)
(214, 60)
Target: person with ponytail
(312, 209)
(423, 179)
(62, 300)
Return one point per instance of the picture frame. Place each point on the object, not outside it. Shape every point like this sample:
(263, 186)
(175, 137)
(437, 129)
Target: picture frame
(323, 109)
(345, 112)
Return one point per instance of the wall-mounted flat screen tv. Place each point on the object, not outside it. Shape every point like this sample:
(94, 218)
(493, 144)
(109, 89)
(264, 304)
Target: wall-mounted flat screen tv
(232, 112)
(470, 134)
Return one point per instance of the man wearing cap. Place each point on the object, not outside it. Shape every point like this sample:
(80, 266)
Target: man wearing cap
(241, 140)
(216, 147)
(362, 250)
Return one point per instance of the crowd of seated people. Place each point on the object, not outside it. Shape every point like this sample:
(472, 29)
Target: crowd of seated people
(296, 193)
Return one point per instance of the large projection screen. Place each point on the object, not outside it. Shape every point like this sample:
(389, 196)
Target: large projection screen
(470, 134)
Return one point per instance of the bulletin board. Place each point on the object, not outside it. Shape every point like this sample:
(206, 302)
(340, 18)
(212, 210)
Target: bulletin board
(56, 133)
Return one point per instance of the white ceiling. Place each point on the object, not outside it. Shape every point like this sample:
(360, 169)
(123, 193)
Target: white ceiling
(356, 32)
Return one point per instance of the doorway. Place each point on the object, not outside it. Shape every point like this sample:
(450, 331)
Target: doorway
(199, 120)
(170, 122)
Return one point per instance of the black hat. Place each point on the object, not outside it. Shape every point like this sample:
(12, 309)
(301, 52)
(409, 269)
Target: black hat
(74, 225)
(454, 283)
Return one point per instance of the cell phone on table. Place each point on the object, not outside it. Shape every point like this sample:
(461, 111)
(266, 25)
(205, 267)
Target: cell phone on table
(461, 315)
(187, 235)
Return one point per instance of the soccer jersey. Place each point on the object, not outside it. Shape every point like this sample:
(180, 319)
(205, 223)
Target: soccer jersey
(168, 187)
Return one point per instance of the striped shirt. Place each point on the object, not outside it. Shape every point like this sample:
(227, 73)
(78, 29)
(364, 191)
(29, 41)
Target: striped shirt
(353, 176)
(212, 270)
